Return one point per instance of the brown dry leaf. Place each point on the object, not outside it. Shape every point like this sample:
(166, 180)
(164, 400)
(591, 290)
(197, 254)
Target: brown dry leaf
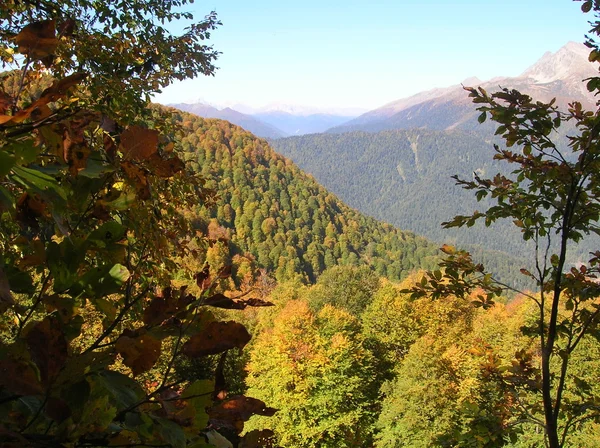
(203, 278)
(221, 301)
(67, 28)
(59, 88)
(139, 143)
(40, 113)
(6, 102)
(38, 39)
(19, 377)
(234, 411)
(159, 310)
(36, 258)
(139, 352)
(137, 177)
(165, 167)
(29, 208)
(48, 347)
(216, 338)
(6, 298)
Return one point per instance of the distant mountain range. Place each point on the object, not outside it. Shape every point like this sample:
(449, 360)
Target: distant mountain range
(281, 121)
(556, 75)
(256, 126)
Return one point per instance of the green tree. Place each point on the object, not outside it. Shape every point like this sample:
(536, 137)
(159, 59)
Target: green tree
(346, 287)
(553, 197)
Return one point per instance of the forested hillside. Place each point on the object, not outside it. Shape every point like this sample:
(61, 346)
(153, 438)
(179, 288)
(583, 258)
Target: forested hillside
(292, 226)
(405, 177)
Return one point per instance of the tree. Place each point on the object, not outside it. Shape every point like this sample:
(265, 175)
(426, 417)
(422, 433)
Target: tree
(317, 370)
(94, 205)
(553, 197)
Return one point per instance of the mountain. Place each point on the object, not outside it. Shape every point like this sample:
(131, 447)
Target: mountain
(295, 124)
(556, 75)
(292, 226)
(404, 177)
(252, 124)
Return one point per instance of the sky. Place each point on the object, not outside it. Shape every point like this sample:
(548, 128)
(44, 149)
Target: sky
(363, 54)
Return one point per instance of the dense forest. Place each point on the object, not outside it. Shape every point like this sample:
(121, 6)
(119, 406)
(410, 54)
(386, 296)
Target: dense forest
(289, 223)
(404, 177)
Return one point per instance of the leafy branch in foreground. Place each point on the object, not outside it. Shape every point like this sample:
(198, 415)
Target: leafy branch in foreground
(93, 198)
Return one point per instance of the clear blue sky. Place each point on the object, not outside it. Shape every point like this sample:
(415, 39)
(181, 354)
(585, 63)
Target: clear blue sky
(352, 53)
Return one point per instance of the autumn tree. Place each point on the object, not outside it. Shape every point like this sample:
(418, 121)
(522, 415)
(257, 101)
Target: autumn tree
(92, 225)
(553, 197)
(316, 368)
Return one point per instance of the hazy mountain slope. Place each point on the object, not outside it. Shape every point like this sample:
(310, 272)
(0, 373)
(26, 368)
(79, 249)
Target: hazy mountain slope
(293, 124)
(556, 75)
(404, 177)
(248, 122)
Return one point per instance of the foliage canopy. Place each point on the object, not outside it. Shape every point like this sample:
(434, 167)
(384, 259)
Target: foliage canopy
(92, 230)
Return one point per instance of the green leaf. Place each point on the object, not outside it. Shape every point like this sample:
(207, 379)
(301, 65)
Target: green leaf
(169, 432)
(39, 182)
(7, 201)
(107, 233)
(482, 117)
(124, 390)
(200, 392)
(95, 168)
(7, 161)
(119, 274)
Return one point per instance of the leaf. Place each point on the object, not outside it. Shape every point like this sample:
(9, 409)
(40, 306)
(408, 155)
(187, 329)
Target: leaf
(59, 88)
(199, 396)
(165, 167)
(158, 311)
(138, 143)
(48, 347)
(108, 233)
(38, 39)
(216, 338)
(137, 177)
(139, 352)
(125, 391)
(95, 168)
(587, 6)
(169, 432)
(7, 161)
(6, 298)
(19, 377)
(217, 440)
(119, 273)
(232, 412)
(221, 301)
